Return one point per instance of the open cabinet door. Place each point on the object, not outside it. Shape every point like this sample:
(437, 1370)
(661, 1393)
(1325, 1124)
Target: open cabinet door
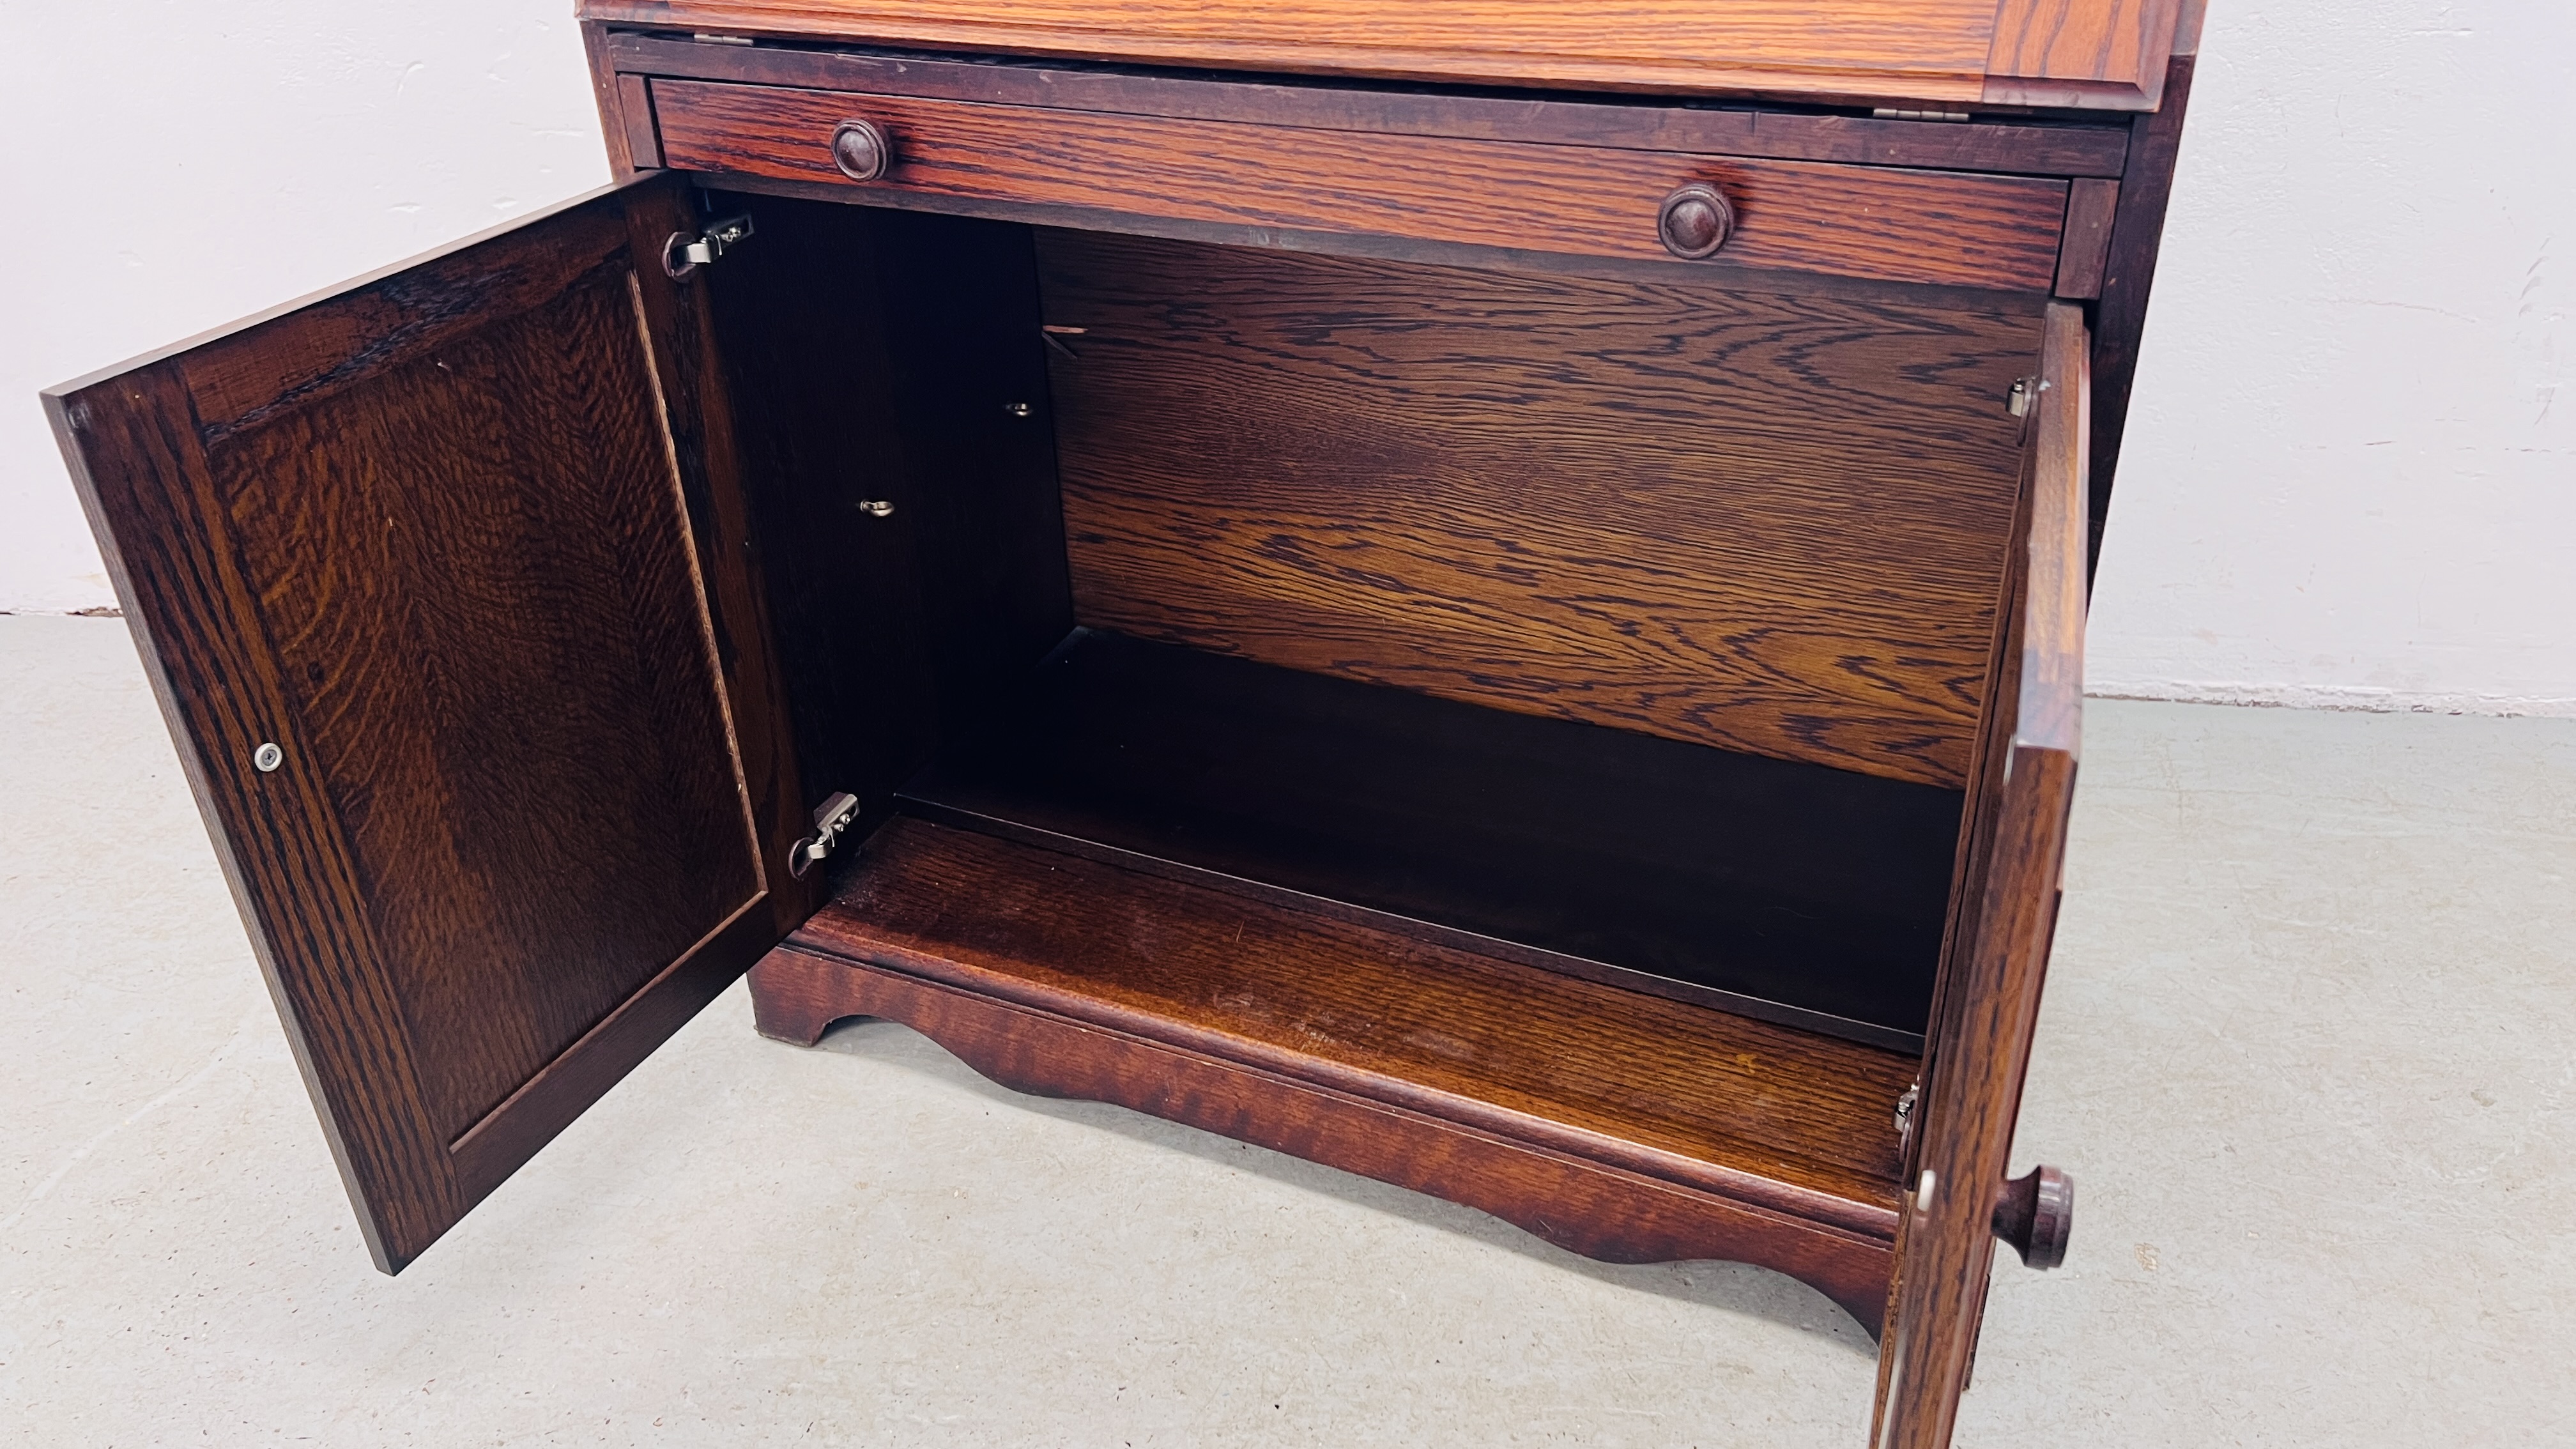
(1988, 998)
(443, 580)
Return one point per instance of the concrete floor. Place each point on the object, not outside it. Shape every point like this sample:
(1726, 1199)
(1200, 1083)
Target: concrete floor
(2309, 1047)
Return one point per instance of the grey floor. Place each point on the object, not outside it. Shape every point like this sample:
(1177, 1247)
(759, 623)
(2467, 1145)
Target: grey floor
(2309, 1047)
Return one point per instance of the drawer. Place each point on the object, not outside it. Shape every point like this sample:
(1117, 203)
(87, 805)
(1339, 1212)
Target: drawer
(1878, 224)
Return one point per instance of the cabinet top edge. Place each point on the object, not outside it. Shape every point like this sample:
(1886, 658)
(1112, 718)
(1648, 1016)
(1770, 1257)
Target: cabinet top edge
(2069, 55)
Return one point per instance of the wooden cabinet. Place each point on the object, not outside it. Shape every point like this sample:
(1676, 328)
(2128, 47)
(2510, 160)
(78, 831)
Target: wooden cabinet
(1522, 642)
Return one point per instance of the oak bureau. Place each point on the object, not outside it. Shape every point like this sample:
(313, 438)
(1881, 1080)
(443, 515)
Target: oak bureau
(1485, 592)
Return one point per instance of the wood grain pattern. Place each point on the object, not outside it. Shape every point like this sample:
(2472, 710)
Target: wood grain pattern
(1776, 1118)
(424, 555)
(635, 118)
(1880, 50)
(615, 94)
(1575, 1202)
(2052, 149)
(1765, 1115)
(875, 355)
(1795, 893)
(2080, 52)
(1771, 525)
(1981, 1035)
(1870, 223)
(2081, 257)
(437, 536)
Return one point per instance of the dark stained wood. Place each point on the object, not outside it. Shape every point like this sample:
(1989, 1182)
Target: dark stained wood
(2035, 1215)
(1766, 1118)
(1782, 1119)
(1575, 1201)
(2061, 52)
(2107, 53)
(2026, 148)
(1716, 271)
(608, 91)
(2085, 251)
(1981, 1034)
(1865, 222)
(1767, 524)
(635, 115)
(875, 356)
(455, 537)
(1695, 221)
(2137, 232)
(1799, 894)
(862, 150)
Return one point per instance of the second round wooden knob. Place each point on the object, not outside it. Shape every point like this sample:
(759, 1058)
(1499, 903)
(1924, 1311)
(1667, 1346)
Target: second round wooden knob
(862, 150)
(1695, 221)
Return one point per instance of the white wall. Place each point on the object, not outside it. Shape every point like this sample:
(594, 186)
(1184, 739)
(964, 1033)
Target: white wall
(2349, 479)
(172, 166)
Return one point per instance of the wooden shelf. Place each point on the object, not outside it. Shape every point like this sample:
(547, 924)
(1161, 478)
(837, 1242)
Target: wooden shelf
(1785, 1120)
(1792, 892)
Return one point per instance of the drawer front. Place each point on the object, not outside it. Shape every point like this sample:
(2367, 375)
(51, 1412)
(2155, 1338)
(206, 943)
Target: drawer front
(1872, 223)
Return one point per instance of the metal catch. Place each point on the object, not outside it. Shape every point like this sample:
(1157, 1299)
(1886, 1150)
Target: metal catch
(831, 818)
(2024, 390)
(684, 253)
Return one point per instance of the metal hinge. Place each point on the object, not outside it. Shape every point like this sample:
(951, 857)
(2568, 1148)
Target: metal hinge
(1905, 1113)
(831, 818)
(2024, 389)
(1890, 113)
(684, 253)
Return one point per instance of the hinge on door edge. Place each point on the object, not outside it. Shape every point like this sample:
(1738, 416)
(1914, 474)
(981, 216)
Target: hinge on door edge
(831, 818)
(1905, 1113)
(1890, 113)
(684, 253)
(2017, 401)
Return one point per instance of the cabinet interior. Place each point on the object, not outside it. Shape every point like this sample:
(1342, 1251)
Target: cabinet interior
(1576, 626)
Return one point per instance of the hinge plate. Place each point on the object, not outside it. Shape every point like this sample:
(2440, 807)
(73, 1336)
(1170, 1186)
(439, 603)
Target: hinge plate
(684, 253)
(831, 818)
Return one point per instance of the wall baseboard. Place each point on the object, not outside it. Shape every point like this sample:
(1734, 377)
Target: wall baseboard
(2370, 698)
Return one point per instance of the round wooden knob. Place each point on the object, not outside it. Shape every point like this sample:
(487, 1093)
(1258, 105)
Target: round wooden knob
(862, 150)
(2034, 1213)
(1695, 221)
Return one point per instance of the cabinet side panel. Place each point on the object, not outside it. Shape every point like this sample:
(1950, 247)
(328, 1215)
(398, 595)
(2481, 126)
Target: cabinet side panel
(2120, 322)
(902, 465)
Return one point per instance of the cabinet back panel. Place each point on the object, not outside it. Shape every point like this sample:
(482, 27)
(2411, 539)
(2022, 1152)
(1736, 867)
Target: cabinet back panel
(1762, 522)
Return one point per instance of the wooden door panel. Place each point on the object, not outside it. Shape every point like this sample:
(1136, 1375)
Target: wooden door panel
(455, 539)
(1987, 1001)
